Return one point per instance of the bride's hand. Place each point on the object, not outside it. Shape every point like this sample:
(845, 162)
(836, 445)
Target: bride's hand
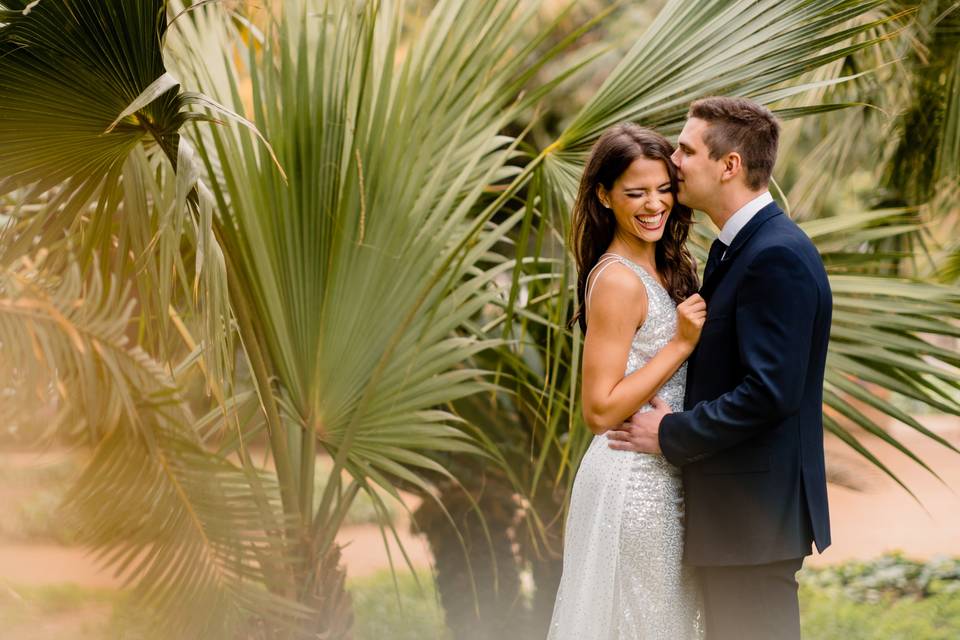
(691, 314)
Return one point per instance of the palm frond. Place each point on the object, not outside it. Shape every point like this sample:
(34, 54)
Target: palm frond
(63, 146)
(200, 541)
(358, 259)
(52, 57)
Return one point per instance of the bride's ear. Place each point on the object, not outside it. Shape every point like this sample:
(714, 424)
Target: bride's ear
(603, 196)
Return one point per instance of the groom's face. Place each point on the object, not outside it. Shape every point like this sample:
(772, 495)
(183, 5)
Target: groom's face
(699, 175)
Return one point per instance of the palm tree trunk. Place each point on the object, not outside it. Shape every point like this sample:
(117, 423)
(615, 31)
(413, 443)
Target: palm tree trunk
(330, 600)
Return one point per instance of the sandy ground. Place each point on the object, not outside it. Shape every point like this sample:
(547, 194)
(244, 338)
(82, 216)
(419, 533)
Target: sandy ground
(364, 553)
(882, 516)
(878, 517)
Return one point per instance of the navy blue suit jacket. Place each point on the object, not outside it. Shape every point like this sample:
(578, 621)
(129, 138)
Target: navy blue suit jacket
(750, 442)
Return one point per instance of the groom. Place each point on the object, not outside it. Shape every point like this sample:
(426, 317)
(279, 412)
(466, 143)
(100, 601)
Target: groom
(750, 443)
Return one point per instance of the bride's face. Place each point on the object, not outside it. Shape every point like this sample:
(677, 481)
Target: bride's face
(640, 199)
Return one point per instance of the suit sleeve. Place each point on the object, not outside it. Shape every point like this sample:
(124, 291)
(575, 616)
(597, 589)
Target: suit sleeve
(775, 315)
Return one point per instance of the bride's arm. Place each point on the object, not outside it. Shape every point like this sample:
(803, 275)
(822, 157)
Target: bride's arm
(617, 307)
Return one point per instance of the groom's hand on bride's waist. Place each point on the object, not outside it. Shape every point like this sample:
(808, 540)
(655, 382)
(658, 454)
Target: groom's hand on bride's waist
(642, 432)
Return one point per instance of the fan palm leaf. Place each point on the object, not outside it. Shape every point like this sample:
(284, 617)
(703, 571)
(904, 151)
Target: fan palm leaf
(191, 530)
(67, 71)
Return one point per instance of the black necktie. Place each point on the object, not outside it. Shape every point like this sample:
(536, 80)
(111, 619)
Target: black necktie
(713, 259)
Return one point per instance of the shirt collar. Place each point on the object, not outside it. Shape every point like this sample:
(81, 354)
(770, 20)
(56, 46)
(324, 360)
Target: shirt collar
(742, 216)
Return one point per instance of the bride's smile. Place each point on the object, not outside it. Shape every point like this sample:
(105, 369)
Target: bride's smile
(651, 222)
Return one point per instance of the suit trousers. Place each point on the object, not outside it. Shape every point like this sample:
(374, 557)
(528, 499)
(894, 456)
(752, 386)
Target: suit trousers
(752, 602)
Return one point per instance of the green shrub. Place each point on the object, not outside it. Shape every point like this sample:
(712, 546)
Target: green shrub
(411, 613)
(825, 616)
(888, 598)
(889, 576)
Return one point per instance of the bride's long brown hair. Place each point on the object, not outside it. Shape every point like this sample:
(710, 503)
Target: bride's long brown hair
(592, 228)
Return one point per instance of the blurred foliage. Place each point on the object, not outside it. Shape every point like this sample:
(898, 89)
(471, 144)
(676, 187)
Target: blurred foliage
(826, 617)
(405, 607)
(887, 578)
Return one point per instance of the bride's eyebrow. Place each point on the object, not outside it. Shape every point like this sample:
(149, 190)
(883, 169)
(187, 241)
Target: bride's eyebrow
(660, 186)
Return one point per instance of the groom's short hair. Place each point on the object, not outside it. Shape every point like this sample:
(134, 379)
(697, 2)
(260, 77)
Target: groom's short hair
(744, 126)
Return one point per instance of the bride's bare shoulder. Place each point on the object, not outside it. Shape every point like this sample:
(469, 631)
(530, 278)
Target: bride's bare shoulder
(617, 296)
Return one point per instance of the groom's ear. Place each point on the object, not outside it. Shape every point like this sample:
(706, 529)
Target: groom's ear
(732, 166)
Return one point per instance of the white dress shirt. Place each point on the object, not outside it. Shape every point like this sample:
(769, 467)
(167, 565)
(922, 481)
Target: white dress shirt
(741, 217)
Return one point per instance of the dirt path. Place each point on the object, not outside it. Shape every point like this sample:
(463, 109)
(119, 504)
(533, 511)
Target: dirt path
(36, 564)
(880, 517)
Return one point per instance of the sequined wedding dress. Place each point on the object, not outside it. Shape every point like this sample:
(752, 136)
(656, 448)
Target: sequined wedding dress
(623, 576)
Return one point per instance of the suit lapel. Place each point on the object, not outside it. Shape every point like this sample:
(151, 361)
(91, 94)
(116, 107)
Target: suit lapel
(711, 279)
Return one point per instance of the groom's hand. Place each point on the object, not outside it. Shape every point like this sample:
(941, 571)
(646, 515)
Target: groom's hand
(642, 432)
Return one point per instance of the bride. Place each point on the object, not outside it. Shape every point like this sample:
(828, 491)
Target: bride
(623, 576)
